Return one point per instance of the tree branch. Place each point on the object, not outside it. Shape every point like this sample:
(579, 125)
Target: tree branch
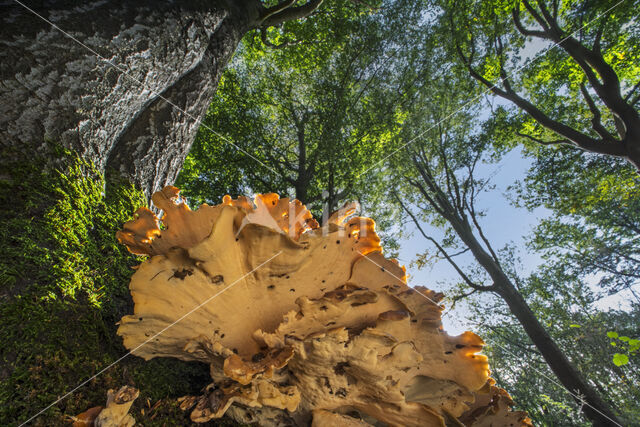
(271, 11)
(539, 19)
(596, 122)
(451, 181)
(628, 95)
(515, 15)
(288, 13)
(457, 298)
(464, 277)
(597, 48)
(474, 219)
(426, 195)
(577, 138)
(278, 165)
(543, 142)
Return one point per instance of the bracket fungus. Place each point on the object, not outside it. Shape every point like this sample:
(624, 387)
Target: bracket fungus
(301, 324)
(114, 414)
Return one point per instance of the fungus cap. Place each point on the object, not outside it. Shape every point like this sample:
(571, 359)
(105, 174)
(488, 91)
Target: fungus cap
(298, 322)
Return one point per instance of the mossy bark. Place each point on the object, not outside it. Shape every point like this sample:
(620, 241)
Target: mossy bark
(63, 286)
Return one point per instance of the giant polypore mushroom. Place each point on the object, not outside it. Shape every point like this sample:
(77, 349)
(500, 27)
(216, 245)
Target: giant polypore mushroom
(300, 324)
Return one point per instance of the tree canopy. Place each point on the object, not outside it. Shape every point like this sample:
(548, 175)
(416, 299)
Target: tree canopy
(392, 110)
(310, 110)
(582, 91)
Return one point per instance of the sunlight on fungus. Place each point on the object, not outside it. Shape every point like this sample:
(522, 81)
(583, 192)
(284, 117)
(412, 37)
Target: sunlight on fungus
(326, 332)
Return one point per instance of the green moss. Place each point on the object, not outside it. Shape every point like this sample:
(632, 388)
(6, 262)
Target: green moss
(63, 286)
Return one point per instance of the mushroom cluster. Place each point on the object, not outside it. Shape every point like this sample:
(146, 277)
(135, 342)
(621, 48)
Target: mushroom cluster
(114, 414)
(301, 324)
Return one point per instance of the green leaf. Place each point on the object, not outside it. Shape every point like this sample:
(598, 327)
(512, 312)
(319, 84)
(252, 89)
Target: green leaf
(625, 339)
(612, 334)
(620, 359)
(575, 326)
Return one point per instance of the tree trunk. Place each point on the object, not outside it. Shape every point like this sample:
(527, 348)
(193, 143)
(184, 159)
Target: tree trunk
(596, 410)
(301, 191)
(111, 111)
(633, 149)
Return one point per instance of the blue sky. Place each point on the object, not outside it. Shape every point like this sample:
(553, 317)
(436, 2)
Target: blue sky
(503, 224)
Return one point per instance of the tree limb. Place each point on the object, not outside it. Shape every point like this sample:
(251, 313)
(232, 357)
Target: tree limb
(543, 142)
(288, 13)
(577, 138)
(472, 213)
(515, 15)
(539, 19)
(271, 11)
(597, 47)
(628, 95)
(452, 183)
(426, 195)
(464, 277)
(457, 298)
(440, 199)
(596, 122)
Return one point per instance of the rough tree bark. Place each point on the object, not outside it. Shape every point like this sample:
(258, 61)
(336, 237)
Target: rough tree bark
(117, 111)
